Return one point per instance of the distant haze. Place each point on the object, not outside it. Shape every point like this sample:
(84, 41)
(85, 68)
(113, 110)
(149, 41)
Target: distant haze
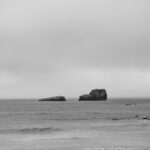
(68, 47)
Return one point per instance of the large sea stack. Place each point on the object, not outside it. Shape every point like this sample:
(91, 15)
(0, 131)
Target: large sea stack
(94, 95)
(55, 98)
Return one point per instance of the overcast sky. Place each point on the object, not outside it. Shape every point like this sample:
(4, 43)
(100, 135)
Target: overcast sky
(68, 47)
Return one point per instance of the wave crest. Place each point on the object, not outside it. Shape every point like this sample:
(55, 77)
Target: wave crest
(30, 130)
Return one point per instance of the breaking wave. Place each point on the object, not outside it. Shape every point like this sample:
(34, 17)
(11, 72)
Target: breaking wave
(30, 130)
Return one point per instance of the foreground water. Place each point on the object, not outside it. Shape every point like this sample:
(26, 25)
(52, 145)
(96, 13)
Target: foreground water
(113, 124)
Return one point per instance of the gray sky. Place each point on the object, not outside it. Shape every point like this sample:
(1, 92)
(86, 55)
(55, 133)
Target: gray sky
(68, 47)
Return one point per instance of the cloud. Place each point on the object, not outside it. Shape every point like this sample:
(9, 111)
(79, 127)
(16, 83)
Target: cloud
(58, 44)
(8, 79)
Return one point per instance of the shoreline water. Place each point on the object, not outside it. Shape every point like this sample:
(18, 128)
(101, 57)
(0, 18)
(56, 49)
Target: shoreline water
(30, 125)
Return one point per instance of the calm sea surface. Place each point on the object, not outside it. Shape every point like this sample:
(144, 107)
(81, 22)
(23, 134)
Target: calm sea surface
(75, 125)
(32, 116)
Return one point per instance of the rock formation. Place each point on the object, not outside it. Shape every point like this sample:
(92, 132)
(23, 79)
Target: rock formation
(55, 98)
(96, 94)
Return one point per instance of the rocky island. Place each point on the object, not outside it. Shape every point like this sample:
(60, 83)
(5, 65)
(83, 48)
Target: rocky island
(94, 95)
(55, 98)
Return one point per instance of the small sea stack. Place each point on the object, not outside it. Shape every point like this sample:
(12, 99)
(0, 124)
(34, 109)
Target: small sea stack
(55, 98)
(94, 95)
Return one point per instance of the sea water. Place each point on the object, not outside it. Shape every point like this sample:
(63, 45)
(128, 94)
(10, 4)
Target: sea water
(30, 124)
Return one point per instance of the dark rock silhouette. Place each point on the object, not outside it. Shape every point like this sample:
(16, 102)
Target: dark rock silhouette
(130, 104)
(96, 94)
(85, 97)
(142, 117)
(115, 119)
(55, 98)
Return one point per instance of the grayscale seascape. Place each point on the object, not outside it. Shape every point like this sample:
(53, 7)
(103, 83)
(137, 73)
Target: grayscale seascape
(72, 125)
(74, 74)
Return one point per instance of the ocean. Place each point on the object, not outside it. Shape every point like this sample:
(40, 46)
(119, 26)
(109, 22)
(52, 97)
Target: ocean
(76, 125)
